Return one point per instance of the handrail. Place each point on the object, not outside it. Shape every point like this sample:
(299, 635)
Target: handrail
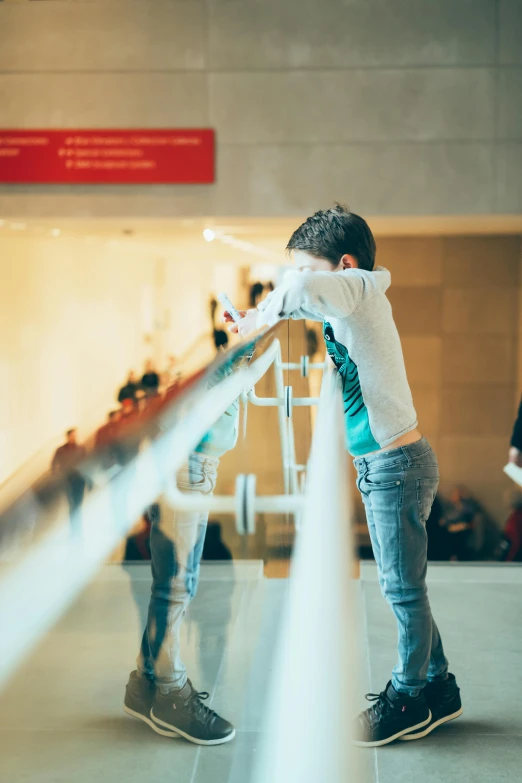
(318, 629)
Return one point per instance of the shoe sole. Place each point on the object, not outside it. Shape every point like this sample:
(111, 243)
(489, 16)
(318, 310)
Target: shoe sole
(188, 737)
(149, 722)
(429, 729)
(378, 743)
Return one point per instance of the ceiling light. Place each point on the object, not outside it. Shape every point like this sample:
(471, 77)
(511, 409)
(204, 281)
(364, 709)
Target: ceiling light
(55, 232)
(209, 235)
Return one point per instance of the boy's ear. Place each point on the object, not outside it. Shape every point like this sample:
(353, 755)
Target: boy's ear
(349, 262)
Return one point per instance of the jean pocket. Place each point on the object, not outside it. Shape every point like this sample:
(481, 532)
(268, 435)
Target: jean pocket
(426, 491)
(380, 481)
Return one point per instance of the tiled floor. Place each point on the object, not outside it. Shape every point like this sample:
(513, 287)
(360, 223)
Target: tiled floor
(61, 719)
(479, 613)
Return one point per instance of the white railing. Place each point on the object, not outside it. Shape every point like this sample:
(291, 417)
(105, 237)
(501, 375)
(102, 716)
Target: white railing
(307, 733)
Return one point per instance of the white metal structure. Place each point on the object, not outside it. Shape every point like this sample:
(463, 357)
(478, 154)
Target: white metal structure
(307, 723)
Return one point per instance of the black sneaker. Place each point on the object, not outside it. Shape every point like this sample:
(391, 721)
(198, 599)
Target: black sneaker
(392, 715)
(183, 712)
(443, 698)
(139, 696)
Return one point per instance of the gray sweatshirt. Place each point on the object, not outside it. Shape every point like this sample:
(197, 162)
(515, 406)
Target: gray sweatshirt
(363, 342)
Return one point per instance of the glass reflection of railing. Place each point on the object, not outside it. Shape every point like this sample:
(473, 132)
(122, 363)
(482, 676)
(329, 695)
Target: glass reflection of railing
(36, 538)
(39, 549)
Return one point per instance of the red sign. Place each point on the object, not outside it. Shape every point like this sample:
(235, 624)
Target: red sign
(66, 157)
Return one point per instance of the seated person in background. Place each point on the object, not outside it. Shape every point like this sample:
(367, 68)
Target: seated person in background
(214, 547)
(460, 519)
(511, 545)
(138, 541)
(65, 461)
(438, 536)
(129, 391)
(150, 379)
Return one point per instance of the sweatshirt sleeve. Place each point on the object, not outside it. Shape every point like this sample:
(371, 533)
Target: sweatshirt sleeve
(314, 295)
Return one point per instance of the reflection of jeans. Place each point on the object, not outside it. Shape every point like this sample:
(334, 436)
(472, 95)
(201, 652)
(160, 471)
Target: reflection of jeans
(176, 540)
(398, 488)
(75, 487)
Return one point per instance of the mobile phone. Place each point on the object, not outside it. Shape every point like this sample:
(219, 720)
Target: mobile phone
(229, 307)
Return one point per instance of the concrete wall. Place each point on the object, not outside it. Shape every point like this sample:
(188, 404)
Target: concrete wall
(455, 301)
(397, 107)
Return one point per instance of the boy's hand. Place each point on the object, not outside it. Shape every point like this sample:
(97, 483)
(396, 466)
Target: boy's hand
(246, 326)
(228, 318)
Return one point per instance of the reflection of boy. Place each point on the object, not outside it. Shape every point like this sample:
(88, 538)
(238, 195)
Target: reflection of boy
(338, 284)
(159, 692)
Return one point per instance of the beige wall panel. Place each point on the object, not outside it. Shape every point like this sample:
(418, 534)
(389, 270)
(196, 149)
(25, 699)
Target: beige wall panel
(471, 460)
(100, 36)
(422, 356)
(478, 360)
(481, 262)
(329, 106)
(412, 261)
(510, 104)
(477, 411)
(311, 34)
(103, 100)
(490, 311)
(510, 20)
(391, 179)
(508, 174)
(428, 406)
(105, 201)
(416, 311)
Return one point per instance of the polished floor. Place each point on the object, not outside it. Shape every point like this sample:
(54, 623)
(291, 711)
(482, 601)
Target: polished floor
(61, 719)
(478, 609)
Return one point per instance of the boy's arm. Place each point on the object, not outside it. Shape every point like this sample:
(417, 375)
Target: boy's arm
(312, 295)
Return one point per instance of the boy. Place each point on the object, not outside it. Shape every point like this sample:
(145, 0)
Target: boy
(336, 282)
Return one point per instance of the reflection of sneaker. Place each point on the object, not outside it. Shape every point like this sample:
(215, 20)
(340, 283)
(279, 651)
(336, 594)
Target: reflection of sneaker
(183, 711)
(139, 696)
(443, 699)
(392, 715)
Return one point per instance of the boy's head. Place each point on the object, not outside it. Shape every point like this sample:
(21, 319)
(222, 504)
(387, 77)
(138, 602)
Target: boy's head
(332, 240)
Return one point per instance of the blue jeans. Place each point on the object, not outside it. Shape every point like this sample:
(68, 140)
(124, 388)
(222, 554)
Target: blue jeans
(398, 488)
(176, 543)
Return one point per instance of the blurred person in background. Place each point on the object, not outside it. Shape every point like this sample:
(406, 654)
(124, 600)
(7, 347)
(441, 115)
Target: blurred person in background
(510, 549)
(256, 292)
(137, 546)
(150, 379)
(65, 464)
(219, 335)
(214, 547)
(159, 692)
(438, 536)
(129, 391)
(461, 517)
